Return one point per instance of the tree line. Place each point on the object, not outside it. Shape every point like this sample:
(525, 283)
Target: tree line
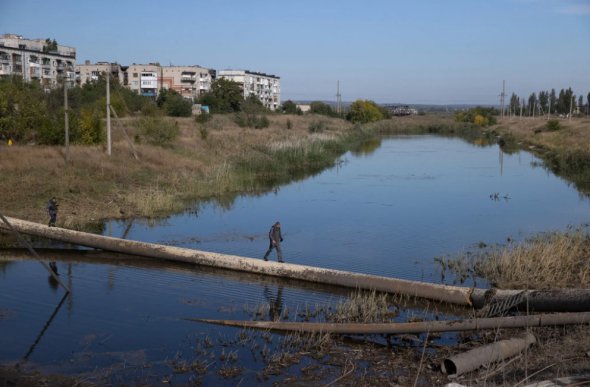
(548, 102)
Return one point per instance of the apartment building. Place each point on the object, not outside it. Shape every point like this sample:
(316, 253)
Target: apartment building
(266, 87)
(89, 72)
(145, 79)
(36, 59)
(188, 81)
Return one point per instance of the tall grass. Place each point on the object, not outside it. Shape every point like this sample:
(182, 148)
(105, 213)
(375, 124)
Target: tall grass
(548, 260)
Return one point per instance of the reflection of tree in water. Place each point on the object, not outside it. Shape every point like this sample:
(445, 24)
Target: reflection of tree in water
(275, 303)
(367, 147)
(4, 266)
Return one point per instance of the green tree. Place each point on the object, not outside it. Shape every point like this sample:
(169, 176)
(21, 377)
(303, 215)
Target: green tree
(552, 101)
(289, 107)
(478, 115)
(174, 104)
(544, 101)
(514, 103)
(317, 107)
(363, 111)
(225, 96)
(532, 106)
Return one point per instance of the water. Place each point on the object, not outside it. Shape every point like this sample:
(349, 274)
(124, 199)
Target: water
(388, 212)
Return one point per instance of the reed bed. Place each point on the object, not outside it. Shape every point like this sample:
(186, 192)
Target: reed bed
(555, 259)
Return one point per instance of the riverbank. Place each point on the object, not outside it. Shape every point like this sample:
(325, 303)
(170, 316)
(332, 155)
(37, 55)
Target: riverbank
(217, 160)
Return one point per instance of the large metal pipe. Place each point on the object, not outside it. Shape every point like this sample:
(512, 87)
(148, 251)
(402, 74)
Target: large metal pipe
(487, 354)
(412, 327)
(445, 293)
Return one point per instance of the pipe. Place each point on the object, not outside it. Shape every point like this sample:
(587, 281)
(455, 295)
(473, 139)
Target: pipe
(544, 300)
(412, 327)
(450, 294)
(491, 353)
(554, 300)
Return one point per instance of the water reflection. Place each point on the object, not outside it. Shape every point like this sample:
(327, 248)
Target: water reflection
(367, 147)
(275, 301)
(46, 326)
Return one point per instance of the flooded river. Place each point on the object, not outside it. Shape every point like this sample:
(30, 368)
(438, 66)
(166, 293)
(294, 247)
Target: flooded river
(390, 210)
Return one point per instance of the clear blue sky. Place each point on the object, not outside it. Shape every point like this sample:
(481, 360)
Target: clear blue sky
(423, 51)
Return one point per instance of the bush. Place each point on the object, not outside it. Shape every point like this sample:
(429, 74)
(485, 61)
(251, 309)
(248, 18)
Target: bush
(251, 120)
(479, 116)
(158, 131)
(317, 127)
(364, 112)
(553, 125)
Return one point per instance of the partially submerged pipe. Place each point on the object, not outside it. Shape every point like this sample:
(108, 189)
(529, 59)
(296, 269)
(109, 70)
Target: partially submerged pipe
(411, 327)
(450, 294)
(541, 300)
(487, 354)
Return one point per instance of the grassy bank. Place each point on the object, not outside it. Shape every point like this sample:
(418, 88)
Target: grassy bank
(217, 160)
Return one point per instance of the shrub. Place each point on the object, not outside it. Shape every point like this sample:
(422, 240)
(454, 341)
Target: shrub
(553, 125)
(251, 120)
(158, 131)
(317, 127)
(289, 124)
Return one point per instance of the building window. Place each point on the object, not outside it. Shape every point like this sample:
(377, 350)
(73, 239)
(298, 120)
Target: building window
(134, 75)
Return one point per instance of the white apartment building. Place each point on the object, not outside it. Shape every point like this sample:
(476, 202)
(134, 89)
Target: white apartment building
(188, 81)
(89, 72)
(266, 87)
(36, 59)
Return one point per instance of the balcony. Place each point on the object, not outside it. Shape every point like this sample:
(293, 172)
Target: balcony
(188, 78)
(5, 69)
(35, 72)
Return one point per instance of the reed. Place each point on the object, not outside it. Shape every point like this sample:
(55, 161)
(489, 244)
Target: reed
(548, 260)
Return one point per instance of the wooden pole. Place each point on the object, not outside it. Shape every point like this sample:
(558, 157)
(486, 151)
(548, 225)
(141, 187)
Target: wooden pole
(7, 225)
(66, 122)
(108, 114)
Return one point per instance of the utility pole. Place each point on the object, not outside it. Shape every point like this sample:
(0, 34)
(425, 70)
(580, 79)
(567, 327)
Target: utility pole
(502, 97)
(549, 111)
(338, 99)
(108, 114)
(572, 106)
(66, 121)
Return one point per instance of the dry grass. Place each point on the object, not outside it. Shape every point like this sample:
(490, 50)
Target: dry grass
(574, 135)
(94, 186)
(544, 261)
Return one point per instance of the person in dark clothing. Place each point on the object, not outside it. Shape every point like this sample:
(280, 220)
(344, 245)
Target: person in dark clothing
(52, 209)
(275, 238)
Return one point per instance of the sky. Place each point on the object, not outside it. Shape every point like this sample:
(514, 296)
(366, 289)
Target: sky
(389, 51)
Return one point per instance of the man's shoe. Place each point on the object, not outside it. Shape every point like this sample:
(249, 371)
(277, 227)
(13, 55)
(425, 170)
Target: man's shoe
(266, 259)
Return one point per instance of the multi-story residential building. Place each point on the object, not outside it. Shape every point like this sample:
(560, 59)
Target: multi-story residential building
(36, 59)
(145, 79)
(266, 87)
(188, 81)
(89, 72)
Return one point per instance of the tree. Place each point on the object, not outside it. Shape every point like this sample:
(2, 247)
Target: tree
(225, 96)
(478, 115)
(532, 104)
(317, 107)
(544, 100)
(514, 103)
(289, 107)
(174, 104)
(552, 101)
(362, 111)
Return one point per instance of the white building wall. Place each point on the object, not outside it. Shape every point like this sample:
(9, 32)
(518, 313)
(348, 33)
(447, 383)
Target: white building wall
(266, 87)
(26, 58)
